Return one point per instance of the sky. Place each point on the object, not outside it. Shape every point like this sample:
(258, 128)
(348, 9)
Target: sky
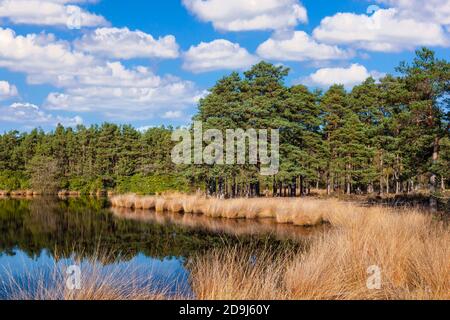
(147, 63)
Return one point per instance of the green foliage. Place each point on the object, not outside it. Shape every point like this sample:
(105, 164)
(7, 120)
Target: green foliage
(152, 184)
(11, 180)
(387, 135)
(44, 174)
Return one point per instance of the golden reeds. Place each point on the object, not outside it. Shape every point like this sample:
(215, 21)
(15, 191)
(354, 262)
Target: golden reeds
(408, 247)
(302, 212)
(160, 205)
(237, 274)
(410, 251)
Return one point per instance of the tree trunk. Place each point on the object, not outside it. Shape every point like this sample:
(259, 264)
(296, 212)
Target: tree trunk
(433, 179)
(301, 186)
(348, 178)
(387, 184)
(328, 184)
(294, 188)
(381, 174)
(274, 187)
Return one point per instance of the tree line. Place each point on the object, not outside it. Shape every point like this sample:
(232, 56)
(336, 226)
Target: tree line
(390, 135)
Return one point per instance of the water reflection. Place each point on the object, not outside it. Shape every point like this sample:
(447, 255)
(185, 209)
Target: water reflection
(37, 234)
(235, 227)
(18, 270)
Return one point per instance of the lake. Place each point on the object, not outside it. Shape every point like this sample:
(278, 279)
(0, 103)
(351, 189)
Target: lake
(37, 234)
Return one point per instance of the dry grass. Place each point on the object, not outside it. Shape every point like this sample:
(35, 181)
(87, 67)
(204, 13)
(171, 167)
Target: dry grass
(409, 247)
(302, 212)
(411, 250)
(160, 205)
(296, 211)
(237, 274)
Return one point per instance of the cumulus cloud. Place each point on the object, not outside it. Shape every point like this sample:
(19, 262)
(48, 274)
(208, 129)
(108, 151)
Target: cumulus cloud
(125, 44)
(31, 115)
(36, 54)
(349, 77)
(386, 31)
(217, 55)
(123, 93)
(437, 11)
(299, 46)
(49, 13)
(90, 84)
(7, 90)
(173, 115)
(238, 15)
(126, 103)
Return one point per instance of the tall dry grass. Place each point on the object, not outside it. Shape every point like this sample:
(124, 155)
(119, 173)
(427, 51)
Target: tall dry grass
(302, 212)
(410, 249)
(237, 274)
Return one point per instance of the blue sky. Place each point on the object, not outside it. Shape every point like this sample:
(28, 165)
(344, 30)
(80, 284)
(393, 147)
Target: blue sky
(148, 62)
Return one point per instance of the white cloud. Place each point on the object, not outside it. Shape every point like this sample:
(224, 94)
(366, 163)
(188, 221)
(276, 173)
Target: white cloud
(125, 44)
(145, 128)
(7, 90)
(123, 93)
(217, 55)
(31, 115)
(299, 46)
(437, 11)
(173, 115)
(132, 103)
(238, 15)
(48, 13)
(90, 84)
(386, 30)
(349, 77)
(40, 54)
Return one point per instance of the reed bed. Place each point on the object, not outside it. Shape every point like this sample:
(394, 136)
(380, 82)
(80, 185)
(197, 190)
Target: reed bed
(237, 274)
(409, 249)
(301, 212)
(296, 211)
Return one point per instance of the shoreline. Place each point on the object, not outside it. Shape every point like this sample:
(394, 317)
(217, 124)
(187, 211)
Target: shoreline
(417, 200)
(29, 193)
(306, 212)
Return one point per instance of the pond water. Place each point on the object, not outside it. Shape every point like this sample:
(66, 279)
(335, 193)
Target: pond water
(37, 234)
